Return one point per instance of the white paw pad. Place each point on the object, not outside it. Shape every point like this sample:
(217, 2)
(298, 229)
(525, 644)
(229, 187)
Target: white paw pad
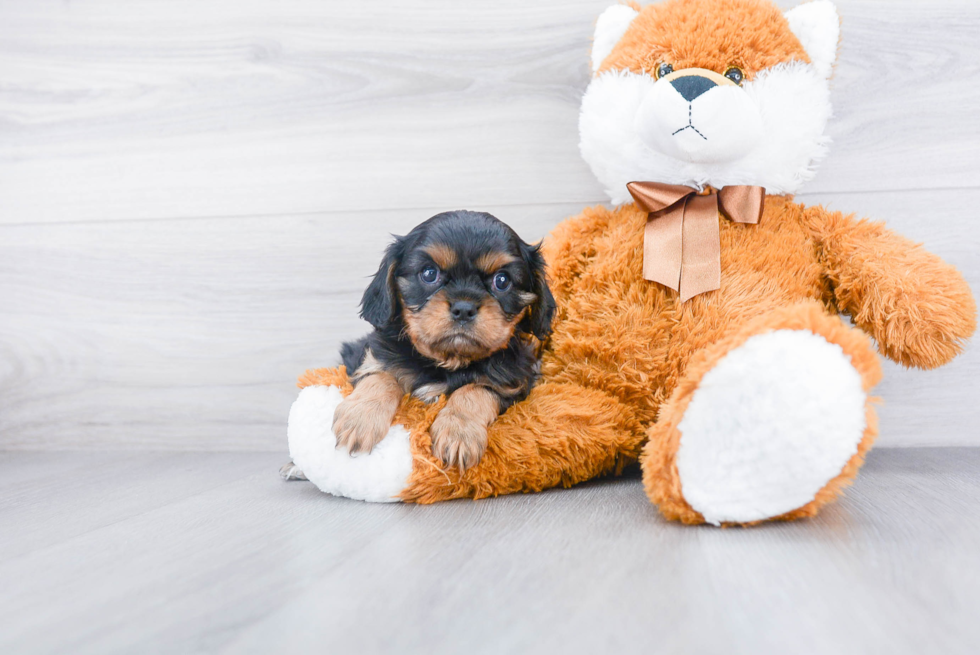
(773, 422)
(379, 476)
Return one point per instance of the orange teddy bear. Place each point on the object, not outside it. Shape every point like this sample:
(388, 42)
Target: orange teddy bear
(698, 328)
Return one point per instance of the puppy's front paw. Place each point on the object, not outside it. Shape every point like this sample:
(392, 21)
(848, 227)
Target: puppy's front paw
(363, 419)
(290, 471)
(457, 438)
(360, 425)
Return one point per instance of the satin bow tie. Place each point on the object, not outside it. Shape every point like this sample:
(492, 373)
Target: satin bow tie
(682, 240)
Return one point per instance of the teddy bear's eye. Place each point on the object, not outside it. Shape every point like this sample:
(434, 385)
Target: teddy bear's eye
(663, 70)
(735, 74)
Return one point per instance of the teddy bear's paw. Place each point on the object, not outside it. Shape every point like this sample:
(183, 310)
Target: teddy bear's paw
(769, 426)
(379, 476)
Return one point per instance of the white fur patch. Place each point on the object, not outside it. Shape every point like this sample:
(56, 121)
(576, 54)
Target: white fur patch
(378, 477)
(817, 26)
(609, 29)
(792, 102)
(719, 126)
(773, 422)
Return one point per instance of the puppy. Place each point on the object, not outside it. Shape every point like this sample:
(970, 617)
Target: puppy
(459, 307)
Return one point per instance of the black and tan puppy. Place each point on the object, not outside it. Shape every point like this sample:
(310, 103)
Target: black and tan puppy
(458, 306)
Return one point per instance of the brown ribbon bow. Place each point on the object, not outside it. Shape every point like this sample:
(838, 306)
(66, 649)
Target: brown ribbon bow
(682, 240)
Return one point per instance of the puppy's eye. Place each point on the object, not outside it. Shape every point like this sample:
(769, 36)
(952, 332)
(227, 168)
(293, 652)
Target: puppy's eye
(501, 281)
(663, 70)
(429, 275)
(735, 74)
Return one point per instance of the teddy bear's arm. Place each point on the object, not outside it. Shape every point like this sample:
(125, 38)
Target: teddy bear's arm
(917, 307)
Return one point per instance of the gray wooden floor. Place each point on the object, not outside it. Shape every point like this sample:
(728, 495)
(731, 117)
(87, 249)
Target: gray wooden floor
(195, 552)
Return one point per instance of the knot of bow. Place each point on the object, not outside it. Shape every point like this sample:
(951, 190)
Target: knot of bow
(682, 239)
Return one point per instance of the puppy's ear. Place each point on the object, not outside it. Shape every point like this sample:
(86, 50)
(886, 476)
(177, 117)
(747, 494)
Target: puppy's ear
(542, 310)
(379, 304)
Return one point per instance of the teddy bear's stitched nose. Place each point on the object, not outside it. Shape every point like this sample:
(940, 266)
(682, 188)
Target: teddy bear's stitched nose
(692, 86)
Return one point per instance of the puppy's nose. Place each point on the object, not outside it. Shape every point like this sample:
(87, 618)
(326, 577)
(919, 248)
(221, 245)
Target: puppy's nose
(692, 86)
(463, 311)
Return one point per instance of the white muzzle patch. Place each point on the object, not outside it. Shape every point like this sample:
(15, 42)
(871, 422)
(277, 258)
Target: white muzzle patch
(769, 132)
(691, 116)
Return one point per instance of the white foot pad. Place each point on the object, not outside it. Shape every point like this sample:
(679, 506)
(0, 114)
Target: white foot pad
(377, 477)
(773, 422)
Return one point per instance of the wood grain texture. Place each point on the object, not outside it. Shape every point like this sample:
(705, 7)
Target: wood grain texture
(213, 554)
(193, 194)
(162, 109)
(183, 334)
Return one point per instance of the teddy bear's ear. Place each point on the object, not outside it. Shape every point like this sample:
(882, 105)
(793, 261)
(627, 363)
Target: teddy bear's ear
(609, 29)
(817, 26)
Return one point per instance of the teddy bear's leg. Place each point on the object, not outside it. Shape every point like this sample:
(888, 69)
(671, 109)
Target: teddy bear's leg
(770, 422)
(562, 434)
(378, 476)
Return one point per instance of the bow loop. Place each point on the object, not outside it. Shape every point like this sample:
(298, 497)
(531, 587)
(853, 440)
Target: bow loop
(742, 204)
(682, 240)
(658, 197)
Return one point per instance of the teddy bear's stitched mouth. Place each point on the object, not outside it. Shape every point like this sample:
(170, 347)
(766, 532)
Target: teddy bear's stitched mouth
(690, 124)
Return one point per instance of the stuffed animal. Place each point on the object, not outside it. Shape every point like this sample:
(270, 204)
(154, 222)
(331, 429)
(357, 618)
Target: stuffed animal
(698, 328)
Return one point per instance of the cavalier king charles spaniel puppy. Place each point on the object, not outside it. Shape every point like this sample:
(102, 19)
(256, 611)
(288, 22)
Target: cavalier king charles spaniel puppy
(460, 307)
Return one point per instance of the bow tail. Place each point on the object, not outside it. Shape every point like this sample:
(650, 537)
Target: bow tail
(663, 240)
(701, 252)
(682, 238)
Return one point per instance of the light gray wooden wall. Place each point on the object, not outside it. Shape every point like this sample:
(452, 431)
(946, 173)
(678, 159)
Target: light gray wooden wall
(193, 192)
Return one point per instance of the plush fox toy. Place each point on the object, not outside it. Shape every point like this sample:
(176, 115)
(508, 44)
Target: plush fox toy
(698, 326)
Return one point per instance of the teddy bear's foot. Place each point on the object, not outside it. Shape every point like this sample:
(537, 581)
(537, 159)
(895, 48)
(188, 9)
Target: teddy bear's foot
(378, 476)
(770, 423)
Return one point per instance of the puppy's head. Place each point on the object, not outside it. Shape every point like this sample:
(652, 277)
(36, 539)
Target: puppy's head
(460, 285)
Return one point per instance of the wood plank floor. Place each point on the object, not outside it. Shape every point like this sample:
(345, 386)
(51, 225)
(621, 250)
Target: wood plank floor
(196, 552)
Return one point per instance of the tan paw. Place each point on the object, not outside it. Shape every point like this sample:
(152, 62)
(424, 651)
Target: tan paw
(457, 439)
(359, 426)
(290, 471)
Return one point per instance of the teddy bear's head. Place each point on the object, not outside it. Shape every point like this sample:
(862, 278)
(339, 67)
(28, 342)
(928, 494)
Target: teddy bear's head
(709, 92)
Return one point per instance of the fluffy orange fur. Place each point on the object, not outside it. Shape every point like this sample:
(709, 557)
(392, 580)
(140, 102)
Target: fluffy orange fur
(745, 33)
